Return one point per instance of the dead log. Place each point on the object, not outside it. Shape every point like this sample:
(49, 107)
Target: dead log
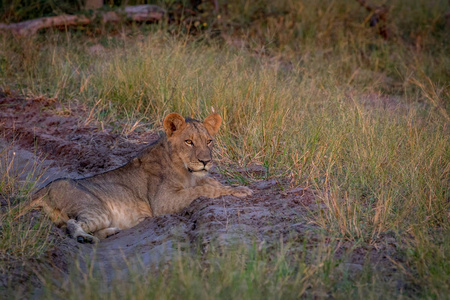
(139, 13)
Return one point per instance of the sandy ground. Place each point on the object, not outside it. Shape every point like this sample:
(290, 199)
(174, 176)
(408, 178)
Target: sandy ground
(41, 130)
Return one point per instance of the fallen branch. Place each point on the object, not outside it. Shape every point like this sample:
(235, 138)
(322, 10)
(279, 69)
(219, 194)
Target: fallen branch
(139, 13)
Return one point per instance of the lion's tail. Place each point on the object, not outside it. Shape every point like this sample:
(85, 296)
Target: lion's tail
(37, 201)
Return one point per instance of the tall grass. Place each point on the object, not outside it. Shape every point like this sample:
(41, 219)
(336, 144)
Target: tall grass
(29, 237)
(237, 273)
(388, 154)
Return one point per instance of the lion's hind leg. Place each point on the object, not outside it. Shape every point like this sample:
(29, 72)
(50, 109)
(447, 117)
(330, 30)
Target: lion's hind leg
(76, 231)
(86, 225)
(104, 233)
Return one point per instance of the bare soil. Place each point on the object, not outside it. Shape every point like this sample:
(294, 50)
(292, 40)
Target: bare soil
(42, 128)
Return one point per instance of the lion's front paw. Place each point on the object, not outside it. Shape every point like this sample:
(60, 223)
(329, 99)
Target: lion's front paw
(242, 191)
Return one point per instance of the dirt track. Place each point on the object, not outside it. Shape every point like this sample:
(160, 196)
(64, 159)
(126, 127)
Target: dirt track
(73, 149)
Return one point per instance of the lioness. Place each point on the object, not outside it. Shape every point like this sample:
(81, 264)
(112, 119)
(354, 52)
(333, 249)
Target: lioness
(164, 178)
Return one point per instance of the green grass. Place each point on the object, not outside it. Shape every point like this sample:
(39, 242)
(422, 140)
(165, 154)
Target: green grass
(314, 95)
(283, 272)
(23, 240)
(28, 237)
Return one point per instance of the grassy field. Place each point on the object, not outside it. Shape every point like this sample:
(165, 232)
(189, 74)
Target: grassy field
(309, 91)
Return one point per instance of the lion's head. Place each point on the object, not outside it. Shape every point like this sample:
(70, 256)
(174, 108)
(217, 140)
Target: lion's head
(191, 140)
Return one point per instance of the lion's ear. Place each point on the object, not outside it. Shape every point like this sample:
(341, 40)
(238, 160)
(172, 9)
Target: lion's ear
(173, 122)
(212, 123)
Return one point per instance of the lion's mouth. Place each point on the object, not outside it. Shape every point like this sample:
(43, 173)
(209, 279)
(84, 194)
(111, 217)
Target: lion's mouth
(195, 171)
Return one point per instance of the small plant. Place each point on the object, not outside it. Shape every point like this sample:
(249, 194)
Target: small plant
(28, 236)
(25, 238)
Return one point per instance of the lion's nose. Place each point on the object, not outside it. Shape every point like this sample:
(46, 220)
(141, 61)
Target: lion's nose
(204, 162)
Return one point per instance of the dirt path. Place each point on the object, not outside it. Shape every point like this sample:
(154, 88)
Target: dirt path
(72, 149)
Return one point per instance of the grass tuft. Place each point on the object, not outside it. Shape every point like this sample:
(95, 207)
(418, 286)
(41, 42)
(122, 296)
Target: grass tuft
(28, 237)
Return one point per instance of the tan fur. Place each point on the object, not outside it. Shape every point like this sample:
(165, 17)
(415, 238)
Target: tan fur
(164, 178)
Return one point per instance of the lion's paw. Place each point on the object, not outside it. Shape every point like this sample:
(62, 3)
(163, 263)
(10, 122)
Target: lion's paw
(242, 191)
(86, 238)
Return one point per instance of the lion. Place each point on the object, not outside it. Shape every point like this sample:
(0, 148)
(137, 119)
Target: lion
(163, 179)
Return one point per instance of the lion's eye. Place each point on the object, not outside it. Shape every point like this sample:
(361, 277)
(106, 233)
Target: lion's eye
(189, 142)
(209, 142)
